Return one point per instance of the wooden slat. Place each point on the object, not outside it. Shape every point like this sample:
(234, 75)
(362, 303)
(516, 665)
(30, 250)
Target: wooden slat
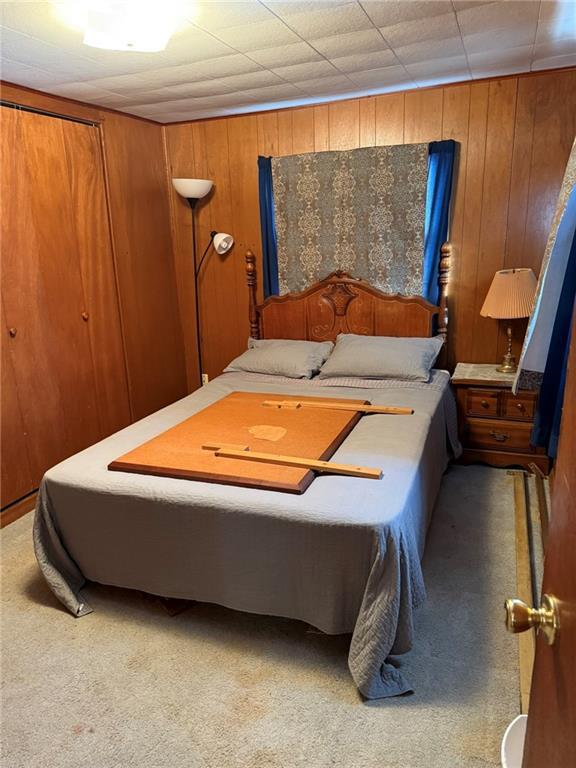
(140, 217)
(389, 119)
(321, 131)
(494, 214)
(344, 124)
(423, 115)
(367, 122)
(473, 192)
(455, 125)
(368, 408)
(303, 130)
(179, 141)
(296, 461)
(285, 132)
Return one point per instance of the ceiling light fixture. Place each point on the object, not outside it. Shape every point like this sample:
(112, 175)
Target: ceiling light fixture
(125, 25)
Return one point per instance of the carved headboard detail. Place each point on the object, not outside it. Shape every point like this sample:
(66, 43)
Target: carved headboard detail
(343, 304)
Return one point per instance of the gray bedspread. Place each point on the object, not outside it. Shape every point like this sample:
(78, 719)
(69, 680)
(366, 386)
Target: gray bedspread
(344, 556)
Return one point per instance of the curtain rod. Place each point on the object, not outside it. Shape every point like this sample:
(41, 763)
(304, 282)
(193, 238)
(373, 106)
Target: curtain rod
(46, 113)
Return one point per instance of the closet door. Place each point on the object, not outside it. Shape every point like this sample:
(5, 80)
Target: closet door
(96, 261)
(16, 478)
(43, 295)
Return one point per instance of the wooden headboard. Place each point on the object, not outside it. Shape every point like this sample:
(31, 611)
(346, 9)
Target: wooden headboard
(344, 304)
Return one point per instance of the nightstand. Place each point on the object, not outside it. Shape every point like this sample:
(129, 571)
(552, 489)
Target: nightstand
(494, 424)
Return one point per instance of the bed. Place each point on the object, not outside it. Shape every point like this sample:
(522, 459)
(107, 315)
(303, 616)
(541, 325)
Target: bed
(344, 556)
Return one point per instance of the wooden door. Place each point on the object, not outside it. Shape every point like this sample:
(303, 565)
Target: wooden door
(551, 729)
(16, 477)
(49, 284)
(95, 256)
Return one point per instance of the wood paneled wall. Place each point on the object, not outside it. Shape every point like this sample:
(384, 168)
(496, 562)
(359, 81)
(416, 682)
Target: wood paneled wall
(515, 136)
(138, 207)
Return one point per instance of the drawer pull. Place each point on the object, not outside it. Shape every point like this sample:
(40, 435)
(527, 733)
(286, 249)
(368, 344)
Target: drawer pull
(12, 332)
(520, 406)
(501, 437)
(484, 403)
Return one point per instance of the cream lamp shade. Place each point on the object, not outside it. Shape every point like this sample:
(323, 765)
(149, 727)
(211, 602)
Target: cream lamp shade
(192, 189)
(510, 295)
(223, 243)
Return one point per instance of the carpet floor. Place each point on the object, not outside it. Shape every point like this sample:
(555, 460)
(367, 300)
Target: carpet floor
(129, 685)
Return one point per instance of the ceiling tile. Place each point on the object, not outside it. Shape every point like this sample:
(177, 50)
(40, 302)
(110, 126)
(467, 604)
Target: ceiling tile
(262, 34)
(307, 71)
(435, 28)
(556, 48)
(214, 15)
(499, 25)
(88, 92)
(284, 55)
(385, 13)
(484, 62)
(360, 61)
(450, 69)
(557, 21)
(463, 5)
(284, 7)
(191, 44)
(328, 21)
(273, 93)
(496, 16)
(16, 72)
(383, 77)
(223, 66)
(326, 85)
(552, 62)
(498, 40)
(350, 43)
(430, 50)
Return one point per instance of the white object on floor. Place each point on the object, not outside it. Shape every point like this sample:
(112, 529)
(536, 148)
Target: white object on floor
(513, 743)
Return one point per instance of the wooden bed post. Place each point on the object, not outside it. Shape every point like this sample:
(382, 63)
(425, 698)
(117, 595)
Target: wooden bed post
(443, 277)
(251, 281)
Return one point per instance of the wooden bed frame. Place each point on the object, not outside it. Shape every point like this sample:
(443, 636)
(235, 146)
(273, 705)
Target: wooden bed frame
(343, 304)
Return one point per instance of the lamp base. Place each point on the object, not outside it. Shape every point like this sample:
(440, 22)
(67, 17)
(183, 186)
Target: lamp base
(508, 364)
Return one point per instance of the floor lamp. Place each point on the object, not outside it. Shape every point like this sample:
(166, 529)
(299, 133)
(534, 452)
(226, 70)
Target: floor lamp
(193, 190)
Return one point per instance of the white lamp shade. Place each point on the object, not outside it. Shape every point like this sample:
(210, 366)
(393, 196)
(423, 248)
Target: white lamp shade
(192, 188)
(510, 295)
(223, 242)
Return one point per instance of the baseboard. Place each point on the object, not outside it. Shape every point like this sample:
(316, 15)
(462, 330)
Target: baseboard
(18, 509)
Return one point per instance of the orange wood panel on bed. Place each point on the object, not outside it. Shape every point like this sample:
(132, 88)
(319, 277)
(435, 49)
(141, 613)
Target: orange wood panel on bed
(242, 419)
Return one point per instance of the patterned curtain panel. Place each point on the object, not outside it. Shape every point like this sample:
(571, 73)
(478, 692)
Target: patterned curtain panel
(361, 211)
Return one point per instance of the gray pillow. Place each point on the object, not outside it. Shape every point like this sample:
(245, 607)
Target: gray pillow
(282, 357)
(382, 357)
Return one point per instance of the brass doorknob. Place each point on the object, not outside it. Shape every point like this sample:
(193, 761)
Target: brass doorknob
(520, 617)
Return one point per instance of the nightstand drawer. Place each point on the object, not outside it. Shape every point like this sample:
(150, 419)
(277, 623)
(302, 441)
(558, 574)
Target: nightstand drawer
(481, 402)
(518, 406)
(500, 435)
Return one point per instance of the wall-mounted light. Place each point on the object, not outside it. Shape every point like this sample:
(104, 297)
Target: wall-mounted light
(125, 25)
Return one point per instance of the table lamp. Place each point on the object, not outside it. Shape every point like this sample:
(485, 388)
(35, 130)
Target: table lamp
(510, 296)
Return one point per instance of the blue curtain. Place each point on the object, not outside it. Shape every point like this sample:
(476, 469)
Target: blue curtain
(549, 410)
(438, 192)
(268, 228)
